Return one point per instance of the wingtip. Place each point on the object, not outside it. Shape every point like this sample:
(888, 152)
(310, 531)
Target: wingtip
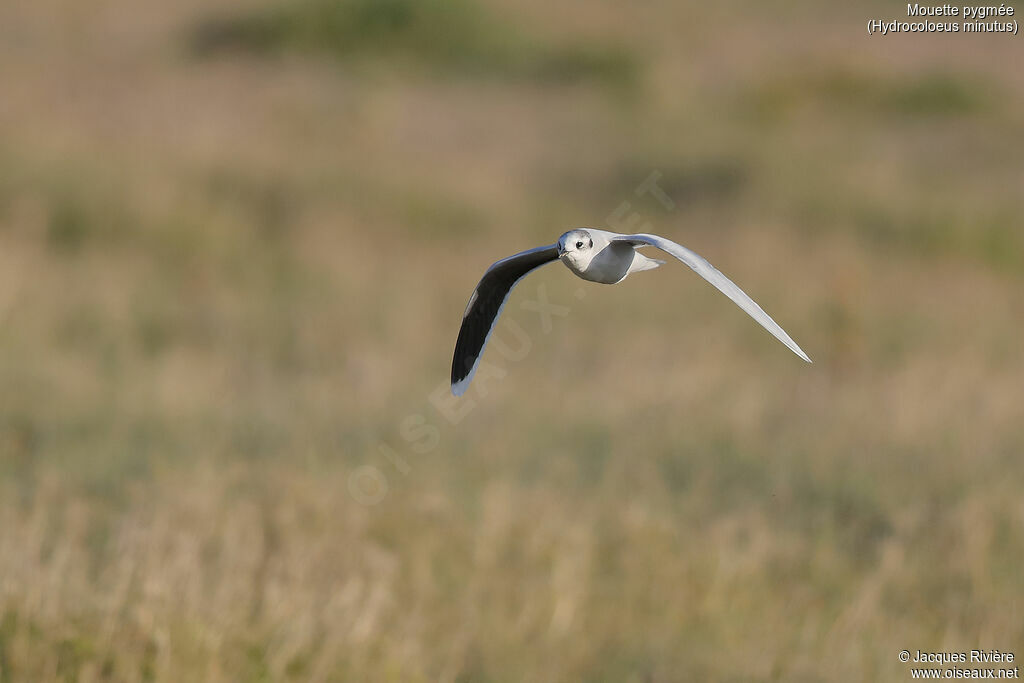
(459, 388)
(799, 352)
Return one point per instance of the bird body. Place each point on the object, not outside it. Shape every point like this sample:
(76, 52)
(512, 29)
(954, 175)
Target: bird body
(594, 255)
(602, 259)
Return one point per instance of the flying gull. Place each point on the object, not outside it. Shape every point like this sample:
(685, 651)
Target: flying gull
(595, 255)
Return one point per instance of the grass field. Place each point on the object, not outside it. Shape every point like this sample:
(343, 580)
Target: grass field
(236, 241)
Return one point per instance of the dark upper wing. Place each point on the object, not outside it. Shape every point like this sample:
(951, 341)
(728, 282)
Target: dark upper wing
(485, 306)
(707, 271)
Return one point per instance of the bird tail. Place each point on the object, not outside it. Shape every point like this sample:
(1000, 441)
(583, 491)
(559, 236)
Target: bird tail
(641, 262)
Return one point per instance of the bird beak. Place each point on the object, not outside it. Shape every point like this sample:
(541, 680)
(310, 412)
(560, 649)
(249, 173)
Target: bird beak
(561, 250)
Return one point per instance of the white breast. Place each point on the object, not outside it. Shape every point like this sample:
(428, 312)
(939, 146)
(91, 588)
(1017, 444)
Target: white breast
(607, 266)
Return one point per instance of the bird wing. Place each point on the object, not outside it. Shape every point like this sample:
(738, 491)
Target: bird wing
(485, 305)
(720, 281)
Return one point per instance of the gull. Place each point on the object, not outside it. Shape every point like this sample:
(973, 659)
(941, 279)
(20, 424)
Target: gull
(594, 255)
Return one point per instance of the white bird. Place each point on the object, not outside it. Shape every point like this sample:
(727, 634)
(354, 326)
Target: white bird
(595, 255)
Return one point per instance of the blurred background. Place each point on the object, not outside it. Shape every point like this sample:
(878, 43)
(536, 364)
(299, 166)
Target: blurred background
(236, 242)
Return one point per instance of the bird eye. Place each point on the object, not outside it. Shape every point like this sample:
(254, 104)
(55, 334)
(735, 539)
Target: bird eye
(579, 245)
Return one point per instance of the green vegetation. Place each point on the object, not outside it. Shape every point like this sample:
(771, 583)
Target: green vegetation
(457, 36)
(226, 283)
(913, 95)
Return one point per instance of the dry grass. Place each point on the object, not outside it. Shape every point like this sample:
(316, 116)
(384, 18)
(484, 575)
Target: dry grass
(227, 279)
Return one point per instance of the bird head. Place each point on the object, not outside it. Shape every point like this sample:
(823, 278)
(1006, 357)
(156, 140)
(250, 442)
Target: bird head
(576, 248)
